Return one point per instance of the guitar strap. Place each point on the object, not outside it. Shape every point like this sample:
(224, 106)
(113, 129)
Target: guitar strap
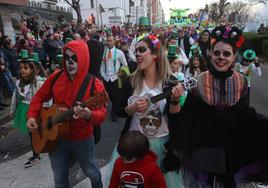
(79, 97)
(83, 88)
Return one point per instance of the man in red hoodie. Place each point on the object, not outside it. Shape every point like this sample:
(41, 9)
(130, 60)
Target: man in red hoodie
(64, 91)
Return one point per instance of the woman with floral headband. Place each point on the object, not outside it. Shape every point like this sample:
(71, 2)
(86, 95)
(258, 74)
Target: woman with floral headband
(152, 75)
(225, 133)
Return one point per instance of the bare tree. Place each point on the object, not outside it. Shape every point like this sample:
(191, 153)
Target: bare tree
(238, 13)
(257, 1)
(75, 4)
(217, 10)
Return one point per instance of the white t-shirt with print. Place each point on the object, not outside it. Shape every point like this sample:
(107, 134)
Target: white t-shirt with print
(154, 123)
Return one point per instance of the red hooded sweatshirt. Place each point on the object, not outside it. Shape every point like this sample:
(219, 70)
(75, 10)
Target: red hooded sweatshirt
(65, 91)
(141, 173)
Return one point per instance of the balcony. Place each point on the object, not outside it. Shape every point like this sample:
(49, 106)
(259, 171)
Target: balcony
(51, 1)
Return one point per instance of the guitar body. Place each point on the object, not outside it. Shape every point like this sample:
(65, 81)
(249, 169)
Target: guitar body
(150, 105)
(54, 124)
(46, 137)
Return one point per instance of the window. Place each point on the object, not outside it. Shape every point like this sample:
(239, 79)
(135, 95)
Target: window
(92, 3)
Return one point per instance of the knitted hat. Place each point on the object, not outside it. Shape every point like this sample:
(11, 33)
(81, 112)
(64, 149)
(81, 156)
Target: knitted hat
(249, 55)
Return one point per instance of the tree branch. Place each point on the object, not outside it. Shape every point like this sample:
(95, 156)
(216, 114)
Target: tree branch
(69, 3)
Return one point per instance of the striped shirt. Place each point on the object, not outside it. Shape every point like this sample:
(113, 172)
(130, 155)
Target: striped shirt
(216, 92)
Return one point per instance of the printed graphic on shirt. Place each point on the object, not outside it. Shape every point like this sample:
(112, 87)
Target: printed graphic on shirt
(151, 122)
(131, 179)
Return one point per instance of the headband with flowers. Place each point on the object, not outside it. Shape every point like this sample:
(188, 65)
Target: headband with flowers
(155, 41)
(153, 38)
(231, 35)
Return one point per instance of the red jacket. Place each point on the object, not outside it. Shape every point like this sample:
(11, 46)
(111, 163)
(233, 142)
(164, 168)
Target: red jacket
(65, 91)
(141, 173)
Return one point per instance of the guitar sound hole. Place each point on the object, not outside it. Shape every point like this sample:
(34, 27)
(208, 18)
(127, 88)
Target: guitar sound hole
(49, 123)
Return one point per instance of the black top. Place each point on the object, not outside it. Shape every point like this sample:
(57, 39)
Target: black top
(206, 139)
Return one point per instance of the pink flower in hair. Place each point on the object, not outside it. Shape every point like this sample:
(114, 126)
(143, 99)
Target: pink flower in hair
(226, 33)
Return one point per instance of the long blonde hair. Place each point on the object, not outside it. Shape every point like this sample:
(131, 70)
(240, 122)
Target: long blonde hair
(162, 66)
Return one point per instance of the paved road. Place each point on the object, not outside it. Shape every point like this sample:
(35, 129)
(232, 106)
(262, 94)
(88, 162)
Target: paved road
(13, 144)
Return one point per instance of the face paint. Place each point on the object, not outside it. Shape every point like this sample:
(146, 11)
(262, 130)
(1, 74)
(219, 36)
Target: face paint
(71, 62)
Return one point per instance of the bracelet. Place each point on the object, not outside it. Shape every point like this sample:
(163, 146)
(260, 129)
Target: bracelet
(174, 102)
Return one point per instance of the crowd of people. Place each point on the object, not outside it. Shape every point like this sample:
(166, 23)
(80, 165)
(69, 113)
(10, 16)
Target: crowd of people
(198, 136)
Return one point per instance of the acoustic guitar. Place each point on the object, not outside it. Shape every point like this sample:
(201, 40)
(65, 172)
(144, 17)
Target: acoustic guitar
(54, 124)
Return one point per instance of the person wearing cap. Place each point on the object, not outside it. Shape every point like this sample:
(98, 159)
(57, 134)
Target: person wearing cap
(142, 31)
(197, 62)
(175, 65)
(26, 86)
(40, 71)
(248, 66)
(183, 59)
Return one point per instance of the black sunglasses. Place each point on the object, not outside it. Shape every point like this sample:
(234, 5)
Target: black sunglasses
(224, 53)
(72, 58)
(140, 49)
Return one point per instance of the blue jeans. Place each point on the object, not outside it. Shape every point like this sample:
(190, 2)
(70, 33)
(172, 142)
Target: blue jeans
(83, 151)
(7, 79)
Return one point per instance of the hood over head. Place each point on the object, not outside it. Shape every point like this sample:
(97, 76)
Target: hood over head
(80, 48)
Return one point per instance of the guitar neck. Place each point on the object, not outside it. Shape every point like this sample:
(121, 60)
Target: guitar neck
(61, 117)
(161, 96)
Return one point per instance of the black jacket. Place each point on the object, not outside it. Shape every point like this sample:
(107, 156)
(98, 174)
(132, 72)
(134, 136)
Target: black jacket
(206, 139)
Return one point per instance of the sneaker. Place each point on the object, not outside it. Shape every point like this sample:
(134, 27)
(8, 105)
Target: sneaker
(32, 161)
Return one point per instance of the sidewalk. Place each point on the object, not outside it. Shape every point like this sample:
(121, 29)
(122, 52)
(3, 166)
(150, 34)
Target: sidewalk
(14, 175)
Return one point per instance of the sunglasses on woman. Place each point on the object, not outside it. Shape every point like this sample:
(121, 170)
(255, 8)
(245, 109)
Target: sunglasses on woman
(72, 58)
(140, 49)
(224, 53)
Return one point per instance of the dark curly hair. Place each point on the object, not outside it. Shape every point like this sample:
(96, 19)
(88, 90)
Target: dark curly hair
(133, 144)
(202, 64)
(230, 35)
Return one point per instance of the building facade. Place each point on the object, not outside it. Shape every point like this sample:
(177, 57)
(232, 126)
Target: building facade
(156, 12)
(11, 12)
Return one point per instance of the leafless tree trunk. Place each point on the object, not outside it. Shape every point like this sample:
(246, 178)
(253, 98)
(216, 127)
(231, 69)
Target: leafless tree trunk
(76, 6)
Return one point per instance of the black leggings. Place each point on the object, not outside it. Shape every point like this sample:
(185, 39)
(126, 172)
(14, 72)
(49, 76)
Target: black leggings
(34, 154)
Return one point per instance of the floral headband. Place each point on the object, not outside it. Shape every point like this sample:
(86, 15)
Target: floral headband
(153, 38)
(232, 35)
(155, 41)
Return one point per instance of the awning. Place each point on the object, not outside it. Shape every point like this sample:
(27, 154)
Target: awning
(15, 2)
